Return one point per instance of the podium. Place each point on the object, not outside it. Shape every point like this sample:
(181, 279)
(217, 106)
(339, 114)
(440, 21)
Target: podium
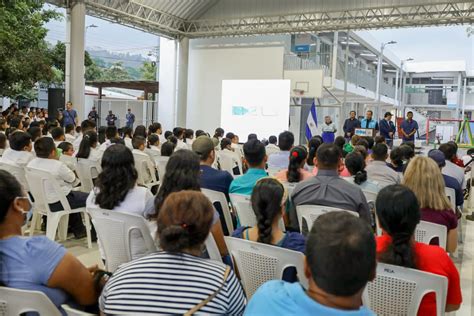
(364, 132)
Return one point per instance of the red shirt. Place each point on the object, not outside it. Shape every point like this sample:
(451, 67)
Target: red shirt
(458, 162)
(431, 259)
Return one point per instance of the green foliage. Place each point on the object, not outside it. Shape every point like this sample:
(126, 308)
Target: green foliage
(148, 71)
(24, 55)
(116, 72)
(58, 58)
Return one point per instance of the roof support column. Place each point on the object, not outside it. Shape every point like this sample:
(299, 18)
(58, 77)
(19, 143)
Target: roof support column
(183, 56)
(168, 87)
(335, 47)
(76, 57)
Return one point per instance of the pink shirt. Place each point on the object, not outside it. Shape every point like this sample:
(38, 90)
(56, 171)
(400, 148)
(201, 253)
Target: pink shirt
(281, 175)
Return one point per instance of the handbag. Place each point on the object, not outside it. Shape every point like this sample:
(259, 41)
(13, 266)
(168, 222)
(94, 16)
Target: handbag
(211, 296)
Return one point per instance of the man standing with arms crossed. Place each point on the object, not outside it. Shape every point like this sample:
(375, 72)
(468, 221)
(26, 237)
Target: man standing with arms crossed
(129, 118)
(350, 125)
(408, 128)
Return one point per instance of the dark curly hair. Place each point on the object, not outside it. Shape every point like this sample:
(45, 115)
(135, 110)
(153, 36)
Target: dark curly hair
(313, 145)
(182, 173)
(266, 203)
(117, 178)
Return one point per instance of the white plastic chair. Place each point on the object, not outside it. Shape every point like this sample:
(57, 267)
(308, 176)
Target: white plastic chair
(212, 249)
(451, 194)
(219, 197)
(85, 169)
(74, 312)
(161, 163)
(16, 302)
(228, 161)
(309, 214)
(399, 290)
(258, 263)
(425, 231)
(245, 213)
(289, 187)
(18, 172)
(146, 174)
(39, 181)
(114, 230)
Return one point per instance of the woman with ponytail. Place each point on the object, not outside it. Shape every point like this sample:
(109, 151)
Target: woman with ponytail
(295, 171)
(88, 149)
(398, 213)
(269, 202)
(355, 163)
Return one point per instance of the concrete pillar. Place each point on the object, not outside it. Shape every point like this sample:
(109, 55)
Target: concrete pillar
(334, 58)
(67, 74)
(76, 58)
(183, 56)
(167, 79)
(459, 97)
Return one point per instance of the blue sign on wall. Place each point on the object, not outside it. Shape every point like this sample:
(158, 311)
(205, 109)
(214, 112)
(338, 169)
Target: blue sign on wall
(302, 48)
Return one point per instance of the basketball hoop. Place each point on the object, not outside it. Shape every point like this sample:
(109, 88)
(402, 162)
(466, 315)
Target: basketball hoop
(298, 93)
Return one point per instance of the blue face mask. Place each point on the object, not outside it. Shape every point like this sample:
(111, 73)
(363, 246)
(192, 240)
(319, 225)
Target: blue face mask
(29, 213)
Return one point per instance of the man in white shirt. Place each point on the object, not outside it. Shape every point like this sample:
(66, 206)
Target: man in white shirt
(86, 126)
(179, 133)
(19, 154)
(58, 136)
(140, 155)
(451, 169)
(48, 160)
(280, 160)
(70, 133)
(110, 132)
(272, 147)
(377, 169)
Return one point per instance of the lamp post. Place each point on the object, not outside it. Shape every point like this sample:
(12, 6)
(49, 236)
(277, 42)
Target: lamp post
(402, 87)
(379, 76)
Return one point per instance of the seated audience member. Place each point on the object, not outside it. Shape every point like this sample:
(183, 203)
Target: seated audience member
(127, 137)
(67, 155)
(458, 162)
(58, 136)
(116, 189)
(451, 169)
(396, 159)
(19, 154)
(228, 159)
(424, 178)
(295, 171)
(182, 173)
(340, 141)
(35, 133)
(364, 142)
(184, 223)
(88, 149)
(272, 147)
(252, 136)
(398, 213)
(377, 169)
(355, 163)
(269, 198)
(70, 136)
(200, 132)
(140, 130)
(117, 140)
(449, 182)
(327, 188)
(38, 263)
(210, 178)
(168, 134)
(189, 137)
(167, 149)
(218, 134)
(86, 126)
(140, 155)
(379, 139)
(174, 140)
(155, 128)
(235, 143)
(16, 124)
(110, 132)
(340, 260)
(153, 146)
(47, 160)
(279, 160)
(3, 143)
(178, 132)
(313, 145)
(349, 147)
(255, 159)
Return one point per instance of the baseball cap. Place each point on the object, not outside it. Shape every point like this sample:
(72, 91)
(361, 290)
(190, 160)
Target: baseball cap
(438, 156)
(203, 145)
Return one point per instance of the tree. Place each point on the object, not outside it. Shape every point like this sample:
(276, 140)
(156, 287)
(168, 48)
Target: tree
(148, 70)
(58, 57)
(94, 72)
(116, 72)
(24, 55)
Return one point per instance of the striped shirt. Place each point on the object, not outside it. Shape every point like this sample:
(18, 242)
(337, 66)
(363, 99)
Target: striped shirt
(166, 283)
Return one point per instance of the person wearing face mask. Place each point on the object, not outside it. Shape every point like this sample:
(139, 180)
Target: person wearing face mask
(38, 263)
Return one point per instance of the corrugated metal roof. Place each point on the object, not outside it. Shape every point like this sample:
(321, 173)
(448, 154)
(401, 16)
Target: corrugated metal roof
(184, 9)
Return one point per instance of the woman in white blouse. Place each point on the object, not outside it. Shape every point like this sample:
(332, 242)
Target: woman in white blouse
(329, 130)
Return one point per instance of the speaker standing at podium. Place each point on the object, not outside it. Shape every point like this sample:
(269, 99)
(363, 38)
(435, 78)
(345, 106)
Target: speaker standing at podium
(368, 122)
(328, 129)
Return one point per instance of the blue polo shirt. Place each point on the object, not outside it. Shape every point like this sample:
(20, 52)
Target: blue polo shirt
(408, 127)
(283, 298)
(69, 117)
(244, 184)
(215, 180)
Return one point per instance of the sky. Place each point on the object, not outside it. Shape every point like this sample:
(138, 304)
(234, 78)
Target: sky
(422, 44)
